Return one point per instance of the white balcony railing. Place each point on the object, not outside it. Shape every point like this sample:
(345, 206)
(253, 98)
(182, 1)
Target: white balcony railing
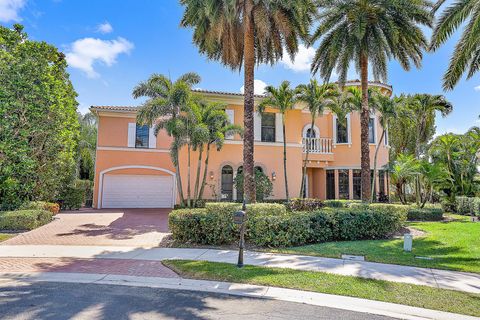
(317, 145)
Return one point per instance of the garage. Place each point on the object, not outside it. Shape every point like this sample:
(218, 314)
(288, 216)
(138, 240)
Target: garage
(137, 191)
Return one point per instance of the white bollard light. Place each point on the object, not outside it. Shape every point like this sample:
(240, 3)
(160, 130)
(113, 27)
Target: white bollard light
(407, 242)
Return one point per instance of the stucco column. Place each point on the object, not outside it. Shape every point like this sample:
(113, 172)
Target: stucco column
(350, 184)
(337, 191)
(234, 187)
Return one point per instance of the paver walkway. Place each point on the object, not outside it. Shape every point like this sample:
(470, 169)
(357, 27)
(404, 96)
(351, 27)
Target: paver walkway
(106, 227)
(462, 281)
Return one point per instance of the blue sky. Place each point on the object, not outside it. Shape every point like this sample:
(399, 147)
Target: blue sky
(112, 45)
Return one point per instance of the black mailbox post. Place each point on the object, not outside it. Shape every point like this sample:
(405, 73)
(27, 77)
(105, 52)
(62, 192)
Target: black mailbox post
(239, 218)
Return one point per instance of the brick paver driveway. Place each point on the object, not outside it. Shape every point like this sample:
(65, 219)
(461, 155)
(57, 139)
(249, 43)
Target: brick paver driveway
(108, 227)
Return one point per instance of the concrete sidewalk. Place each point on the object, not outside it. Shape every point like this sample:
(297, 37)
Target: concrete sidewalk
(242, 290)
(462, 281)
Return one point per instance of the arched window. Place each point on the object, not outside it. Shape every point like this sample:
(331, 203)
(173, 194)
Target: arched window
(227, 183)
(310, 133)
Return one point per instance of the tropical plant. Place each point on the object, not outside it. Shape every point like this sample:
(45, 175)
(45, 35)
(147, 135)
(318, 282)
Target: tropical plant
(263, 185)
(165, 101)
(433, 177)
(467, 50)
(87, 145)
(317, 97)
(283, 99)
(38, 120)
(368, 33)
(244, 33)
(402, 172)
(386, 107)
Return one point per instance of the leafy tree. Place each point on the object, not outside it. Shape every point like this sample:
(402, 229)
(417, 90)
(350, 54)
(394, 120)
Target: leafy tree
(403, 171)
(244, 33)
(263, 185)
(165, 100)
(283, 99)
(317, 97)
(368, 33)
(467, 51)
(87, 145)
(38, 120)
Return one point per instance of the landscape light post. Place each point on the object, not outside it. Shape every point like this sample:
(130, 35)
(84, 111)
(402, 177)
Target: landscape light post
(239, 218)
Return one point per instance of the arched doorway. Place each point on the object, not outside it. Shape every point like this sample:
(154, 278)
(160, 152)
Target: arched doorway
(227, 183)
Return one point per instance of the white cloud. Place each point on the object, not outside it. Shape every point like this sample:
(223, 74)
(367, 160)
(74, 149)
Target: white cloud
(105, 28)
(477, 88)
(303, 59)
(9, 10)
(258, 87)
(85, 52)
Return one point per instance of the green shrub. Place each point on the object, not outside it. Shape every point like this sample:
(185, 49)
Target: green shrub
(476, 206)
(467, 205)
(341, 203)
(299, 204)
(265, 209)
(24, 219)
(425, 214)
(322, 226)
(73, 197)
(41, 205)
(279, 231)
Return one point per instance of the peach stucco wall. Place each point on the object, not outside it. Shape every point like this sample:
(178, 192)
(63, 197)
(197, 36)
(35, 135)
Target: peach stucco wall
(112, 152)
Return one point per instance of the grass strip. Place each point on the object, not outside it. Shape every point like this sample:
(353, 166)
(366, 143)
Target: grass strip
(401, 293)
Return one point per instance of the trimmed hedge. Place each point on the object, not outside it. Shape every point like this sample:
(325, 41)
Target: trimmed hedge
(41, 205)
(307, 204)
(425, 214)
(24, 219)
(467, 205)
(272, 225)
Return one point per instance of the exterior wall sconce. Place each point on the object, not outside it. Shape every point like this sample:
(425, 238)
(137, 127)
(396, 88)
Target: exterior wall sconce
(274, 176)
(211, 175)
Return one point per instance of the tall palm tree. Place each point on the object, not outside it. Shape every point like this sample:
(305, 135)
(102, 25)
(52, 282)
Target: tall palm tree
(244, 33)
(467, 50)
(283, 99)
(386, 106)
(165, 100)
(317, 97)
(368, 33)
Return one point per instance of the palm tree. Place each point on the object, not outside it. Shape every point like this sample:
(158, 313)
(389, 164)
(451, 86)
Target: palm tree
(386, 106)
(402, 171)
(165, 100)
(212, 116)
(368, 33)
(244, 33)
(317, 97)
(467, 51)
(283, 99)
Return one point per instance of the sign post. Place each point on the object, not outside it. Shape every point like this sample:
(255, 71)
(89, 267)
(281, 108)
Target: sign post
(239, 218)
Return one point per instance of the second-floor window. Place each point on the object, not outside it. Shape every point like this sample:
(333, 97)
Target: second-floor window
(342, 130)
(371, 130)
(268, 127)
(141, 136)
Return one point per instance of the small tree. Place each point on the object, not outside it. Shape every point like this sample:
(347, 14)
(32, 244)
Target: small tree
(264, 186)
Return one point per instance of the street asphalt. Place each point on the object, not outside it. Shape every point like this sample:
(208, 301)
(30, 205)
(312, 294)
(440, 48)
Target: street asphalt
(53, 300)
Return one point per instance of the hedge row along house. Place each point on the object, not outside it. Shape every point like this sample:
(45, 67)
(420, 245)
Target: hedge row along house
(134, 168)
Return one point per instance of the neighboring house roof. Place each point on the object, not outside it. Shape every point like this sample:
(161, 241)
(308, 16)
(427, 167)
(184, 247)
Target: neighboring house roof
(238, 94)
(114, 108)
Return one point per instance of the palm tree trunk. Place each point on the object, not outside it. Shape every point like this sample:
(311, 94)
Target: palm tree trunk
(248, 65)
(285, 157)
(197, 178)
(364, 120)
(375, 165)
(178, 177)
(188, 178)
(304, 170)
(205, 170)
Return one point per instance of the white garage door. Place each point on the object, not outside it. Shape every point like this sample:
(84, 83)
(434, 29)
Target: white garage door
(137, 191)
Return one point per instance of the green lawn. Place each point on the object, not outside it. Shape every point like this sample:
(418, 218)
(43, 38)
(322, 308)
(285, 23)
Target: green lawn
(5, 236)
(453, 245)
(407, 294)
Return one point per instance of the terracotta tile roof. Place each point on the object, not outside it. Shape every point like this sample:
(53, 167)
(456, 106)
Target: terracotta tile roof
(114, 108)
(225, 93)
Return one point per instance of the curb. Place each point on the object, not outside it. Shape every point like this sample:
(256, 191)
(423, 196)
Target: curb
(244, 290)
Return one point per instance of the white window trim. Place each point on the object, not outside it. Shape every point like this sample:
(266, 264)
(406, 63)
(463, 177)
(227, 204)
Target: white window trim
(349, 131)
(375, 130)
(386, 139)
(315, 128)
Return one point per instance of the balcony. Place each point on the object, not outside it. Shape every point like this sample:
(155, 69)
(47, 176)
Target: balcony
(317, 145)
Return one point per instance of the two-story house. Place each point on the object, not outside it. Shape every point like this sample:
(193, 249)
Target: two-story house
(134, 168)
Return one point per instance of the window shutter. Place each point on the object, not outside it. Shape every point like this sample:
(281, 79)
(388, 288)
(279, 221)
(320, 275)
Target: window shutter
(231, 116)
(278, 127)
(152, 139)
(131, 134)
(257, 126)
